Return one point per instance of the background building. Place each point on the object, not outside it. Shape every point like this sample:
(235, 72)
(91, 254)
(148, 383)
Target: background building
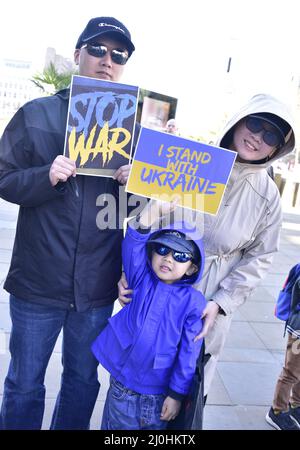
(15, 87)
(61, 63)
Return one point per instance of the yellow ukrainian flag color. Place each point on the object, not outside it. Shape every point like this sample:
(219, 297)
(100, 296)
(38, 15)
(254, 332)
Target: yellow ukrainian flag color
(208, 203)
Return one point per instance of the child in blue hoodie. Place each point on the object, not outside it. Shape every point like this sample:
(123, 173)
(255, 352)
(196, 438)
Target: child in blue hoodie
(148, 347)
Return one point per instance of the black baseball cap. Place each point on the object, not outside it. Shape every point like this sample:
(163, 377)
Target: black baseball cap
(99, 26)
(176, 241)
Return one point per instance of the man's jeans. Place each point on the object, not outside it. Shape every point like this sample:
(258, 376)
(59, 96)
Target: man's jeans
(35, 329)
(127, 410)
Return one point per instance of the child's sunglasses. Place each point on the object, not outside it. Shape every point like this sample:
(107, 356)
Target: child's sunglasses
(181, 257)
(118, 56)
(270, 137)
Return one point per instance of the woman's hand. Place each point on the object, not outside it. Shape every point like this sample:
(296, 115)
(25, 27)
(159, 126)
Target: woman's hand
(209, 315)
(123, 291)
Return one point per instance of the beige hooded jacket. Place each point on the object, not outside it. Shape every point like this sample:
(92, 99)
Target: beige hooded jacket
(241, 239)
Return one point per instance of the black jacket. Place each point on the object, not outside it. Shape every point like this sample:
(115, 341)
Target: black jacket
(60, 255)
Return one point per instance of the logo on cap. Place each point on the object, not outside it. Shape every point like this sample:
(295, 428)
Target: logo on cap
(173, 233)
(103, 24)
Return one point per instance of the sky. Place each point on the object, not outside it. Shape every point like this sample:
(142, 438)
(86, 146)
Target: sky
(182, 47)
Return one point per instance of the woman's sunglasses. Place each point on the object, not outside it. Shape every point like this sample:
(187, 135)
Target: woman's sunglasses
(271, 137)
(118, 56)
(181, 257)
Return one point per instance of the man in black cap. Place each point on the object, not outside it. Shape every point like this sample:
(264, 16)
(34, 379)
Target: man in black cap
(64, 270)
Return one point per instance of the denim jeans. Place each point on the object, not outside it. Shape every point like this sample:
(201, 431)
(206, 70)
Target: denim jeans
(35, 329)
(127, 410)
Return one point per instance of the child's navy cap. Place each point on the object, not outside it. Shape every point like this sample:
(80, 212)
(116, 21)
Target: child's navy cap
(99, 26)
(176, 241)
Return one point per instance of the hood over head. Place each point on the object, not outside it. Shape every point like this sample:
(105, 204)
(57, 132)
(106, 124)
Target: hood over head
(271, 110)
(179, 236)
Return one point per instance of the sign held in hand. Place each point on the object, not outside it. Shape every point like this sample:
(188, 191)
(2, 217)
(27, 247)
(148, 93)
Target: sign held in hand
(165, 165)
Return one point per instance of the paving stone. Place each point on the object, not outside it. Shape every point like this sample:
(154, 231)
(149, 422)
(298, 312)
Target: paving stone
(281, 268)
(218, 394)
(221, 418)
(95, 419)
(241, 335)
(281, 258)
(4, 295)
(291, 251)
(238, 317)
(248, 355)
(261, 294)
(273, 292)
(274, 280)
(5, 256)
(8, 224)
(4, 363)
(253, 417)
(2, 342)
(6, 244)
(258, 312)
(3, 271)
(237, 418)
(271, 334)
(5, 322)
(249, 383)
(279, 355)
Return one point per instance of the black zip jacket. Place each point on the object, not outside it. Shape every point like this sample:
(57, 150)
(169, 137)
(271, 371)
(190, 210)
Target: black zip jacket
(60, 256)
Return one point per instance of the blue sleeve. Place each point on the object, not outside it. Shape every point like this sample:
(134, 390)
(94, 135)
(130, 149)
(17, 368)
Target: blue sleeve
(20, 182)
(185, 364)
(134, 256)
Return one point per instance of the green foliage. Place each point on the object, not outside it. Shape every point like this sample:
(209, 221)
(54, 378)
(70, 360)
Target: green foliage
(51, 81)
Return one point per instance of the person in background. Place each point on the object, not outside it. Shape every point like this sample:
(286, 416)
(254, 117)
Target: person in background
(171, 126)
(64, 269)
(284, 413)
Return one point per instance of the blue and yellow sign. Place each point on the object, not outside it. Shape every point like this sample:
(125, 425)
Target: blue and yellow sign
(100, 125)
(165, 165)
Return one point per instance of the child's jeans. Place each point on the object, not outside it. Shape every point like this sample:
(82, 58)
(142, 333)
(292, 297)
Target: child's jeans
(127, 410)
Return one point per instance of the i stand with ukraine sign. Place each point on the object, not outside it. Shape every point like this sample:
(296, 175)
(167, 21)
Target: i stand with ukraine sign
(165, 166)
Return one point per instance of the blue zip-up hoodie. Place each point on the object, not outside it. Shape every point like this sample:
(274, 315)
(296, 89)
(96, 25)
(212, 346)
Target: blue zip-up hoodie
(149, 345)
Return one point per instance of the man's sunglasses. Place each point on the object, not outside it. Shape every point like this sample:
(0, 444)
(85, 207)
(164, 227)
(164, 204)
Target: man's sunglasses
(271, 137)
(181, 257)
(118, 56)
